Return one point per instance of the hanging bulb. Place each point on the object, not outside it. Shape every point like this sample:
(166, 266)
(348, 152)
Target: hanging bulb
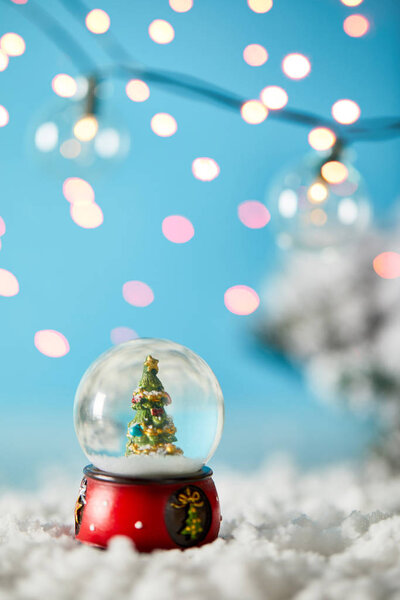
(80, 135)
(319, 203)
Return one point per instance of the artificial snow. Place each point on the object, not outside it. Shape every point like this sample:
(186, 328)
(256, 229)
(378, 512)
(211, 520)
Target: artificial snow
(317, 536)
(153, 465)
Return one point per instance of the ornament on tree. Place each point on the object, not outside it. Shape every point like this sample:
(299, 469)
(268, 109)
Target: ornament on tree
(145, 483)
(151, 430)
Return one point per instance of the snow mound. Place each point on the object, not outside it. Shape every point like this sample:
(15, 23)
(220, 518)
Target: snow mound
(318, 536)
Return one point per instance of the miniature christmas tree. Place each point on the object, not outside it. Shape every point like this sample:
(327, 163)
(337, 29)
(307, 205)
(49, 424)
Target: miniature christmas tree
(151, 431)
(193, 526)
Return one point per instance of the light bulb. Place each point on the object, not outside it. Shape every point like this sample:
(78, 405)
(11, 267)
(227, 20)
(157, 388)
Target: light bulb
(310, 212)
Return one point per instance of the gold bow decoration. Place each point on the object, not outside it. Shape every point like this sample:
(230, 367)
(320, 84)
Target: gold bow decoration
(189, 497)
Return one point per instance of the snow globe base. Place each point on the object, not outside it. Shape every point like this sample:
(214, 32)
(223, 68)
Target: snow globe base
(179, 512)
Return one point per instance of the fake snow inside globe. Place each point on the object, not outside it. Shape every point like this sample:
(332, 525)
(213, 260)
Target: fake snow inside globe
(149, 408)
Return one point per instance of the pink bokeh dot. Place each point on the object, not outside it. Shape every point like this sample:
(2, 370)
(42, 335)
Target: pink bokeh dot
(9, 285)
(137, 293)
(253, 214)
(177, 229)
(88, 216)
(51, 343)
(2, 227)
(119, 335)
(241, 300)
(75, 188)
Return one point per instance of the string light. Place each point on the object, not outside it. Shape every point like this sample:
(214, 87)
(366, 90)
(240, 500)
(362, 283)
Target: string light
(163, 125)
(205, 168)
(356, 26)
(86, 128)
(254, 112)
(274, 97)
(334, 171)
(161, 32)
(4, 116)
(12, 44)
(260, 6)
(137, 90)
(4, 60)
(346, 111)
(351, 2)
(64, 85)
(181, 6)
(255, 55)
(97, 21)
(321, 138)
(317, 193)
(296, 66)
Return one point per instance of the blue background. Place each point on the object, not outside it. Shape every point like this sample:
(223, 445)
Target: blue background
(71, 278)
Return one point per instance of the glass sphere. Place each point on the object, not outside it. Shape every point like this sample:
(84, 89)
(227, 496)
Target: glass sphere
(149, 408)
(67, 140)
(314, 208)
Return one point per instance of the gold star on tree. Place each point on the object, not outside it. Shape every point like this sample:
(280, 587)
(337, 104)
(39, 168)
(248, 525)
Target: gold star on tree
(151, 363)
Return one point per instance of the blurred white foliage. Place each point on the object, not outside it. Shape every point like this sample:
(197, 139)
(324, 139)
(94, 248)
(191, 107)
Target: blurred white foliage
(328, 535)
(332, 312)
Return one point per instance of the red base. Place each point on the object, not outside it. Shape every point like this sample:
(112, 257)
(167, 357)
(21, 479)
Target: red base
(153, 514)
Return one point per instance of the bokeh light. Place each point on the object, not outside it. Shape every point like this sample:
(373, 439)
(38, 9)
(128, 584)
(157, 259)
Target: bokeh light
(2, 227)
(9, 285)
(46, 136)
(296, 66)
(321, 138)
(177, 229)
(86, 128)
(97, 21)
(12, 44)
(356, 25)
(163, 125)
(20, 1)
(137, 90)
(255, 55)
(120, 335)
(254, 112)
(64, 85)
(334, 171)
(51, 343)
(241, 300)
(317, 193)
(346, 111)
(86, 215)
(161, 32)
(351, 2)
(181, 6)
(108, 142)
(347, 211)
(137, 293)
(76, 189)
(274, 97)
(387, 265)
(318, 217)
(70, 148)
(260, 6)
(4, 60)
(4, 116)
(253, 214)
(205, 169)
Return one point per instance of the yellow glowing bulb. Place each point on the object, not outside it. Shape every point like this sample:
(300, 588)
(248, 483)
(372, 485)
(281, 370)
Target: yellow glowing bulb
(296, 66)
(86, 128)
(317, 193)
(3, 60)
(254, 112)
(161, 32)
(318, 217)
(12, 44)
(97, 21)
(274, 97)
(260, 6)
(351, 2)
(64, 85)
(321, 138)
(346, 111)
(334, 171)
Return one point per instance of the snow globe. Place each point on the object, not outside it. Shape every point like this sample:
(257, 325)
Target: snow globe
(148, 414)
